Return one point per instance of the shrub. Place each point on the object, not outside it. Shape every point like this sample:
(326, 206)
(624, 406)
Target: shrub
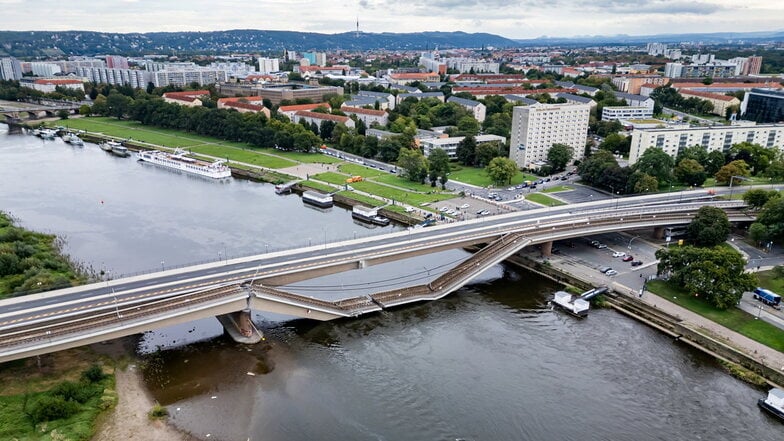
(93, 374)
(158, 411)
(50, 408)
(70, 391)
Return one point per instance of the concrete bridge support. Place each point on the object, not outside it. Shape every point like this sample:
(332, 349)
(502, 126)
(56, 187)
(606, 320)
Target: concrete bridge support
(240, 327)
(547, 249)
(658, 232)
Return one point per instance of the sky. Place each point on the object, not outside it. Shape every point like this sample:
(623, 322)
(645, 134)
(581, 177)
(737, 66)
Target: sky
(508, 18)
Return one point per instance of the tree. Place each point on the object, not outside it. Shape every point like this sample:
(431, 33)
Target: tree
(558, 156)
(757, 198)
(117, 104)
(695, 152)
(709, 227)
(438, 161)
(690, 172)
(655, 162)
(713, 162)
(616, 143)
(468, 126)
(466, 151)
(485, 152)
(775, 170)
(772, 216)
(716, 275)
(643, 183)
(414, 164)
(759, 233)
(63, 114)
(501, 170)
(594, 167)
(756, 156)
(734, 168)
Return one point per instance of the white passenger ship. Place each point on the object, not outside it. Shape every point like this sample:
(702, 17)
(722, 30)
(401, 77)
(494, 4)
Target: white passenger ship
(178, 161)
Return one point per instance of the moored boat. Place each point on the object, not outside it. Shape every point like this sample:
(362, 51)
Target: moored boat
(368, 215)
(773, 403)
(120, 150)
(179, 161)
(72, 139)
(47, 133)
(318, 199)
(574, 306)
(107, 146)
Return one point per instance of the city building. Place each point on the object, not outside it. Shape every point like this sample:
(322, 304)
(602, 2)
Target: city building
(410, 77)
(268, 65)
(279, 92)
(421, 95)
(244, 104)
(48, 85)
(41, 69)
(633, 84)
(636, 100)
(763, 106)
(449, 145)
(368, 116)
(476, 108)
(673, 140)
(10, 69)
(185, 77)
(578, 87)
(610, 113)
(315, 58)
(471, 65)
(535, 128)
(132, 77)
(576, 99)
(116, 62)
(656, 49)
(289, 111)
(318, 118)
(720, 102)
(190, 98)
(715, 70)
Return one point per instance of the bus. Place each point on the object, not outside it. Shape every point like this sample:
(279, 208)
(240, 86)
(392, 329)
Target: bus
(767, 297)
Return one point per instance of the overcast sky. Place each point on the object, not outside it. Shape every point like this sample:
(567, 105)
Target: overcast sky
(509, 18)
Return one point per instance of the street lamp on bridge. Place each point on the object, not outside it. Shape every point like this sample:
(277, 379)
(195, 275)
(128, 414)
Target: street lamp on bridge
(740, 178)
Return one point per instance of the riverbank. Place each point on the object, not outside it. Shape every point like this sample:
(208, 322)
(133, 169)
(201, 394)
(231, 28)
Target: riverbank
(679, 323)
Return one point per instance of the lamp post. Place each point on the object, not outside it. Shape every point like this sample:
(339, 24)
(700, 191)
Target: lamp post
(732, 179)
(162, 265)
(630, 242)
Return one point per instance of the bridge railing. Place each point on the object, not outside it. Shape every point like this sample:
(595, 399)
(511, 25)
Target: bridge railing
(350, 305)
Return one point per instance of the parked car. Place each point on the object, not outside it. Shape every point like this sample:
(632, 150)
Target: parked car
(464, 206)
(409, 209)
(627, 258)
(604, 269)
(484, 212)
(443, 209)
(564, 178)
(619, 254)
(595, 242)
(601, 246)
(612, 272)
(636, 263)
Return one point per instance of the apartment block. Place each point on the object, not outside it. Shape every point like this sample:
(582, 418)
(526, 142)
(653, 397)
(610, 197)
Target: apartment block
(721, 138)
(537, 127)
(626, 112)
(449, 145)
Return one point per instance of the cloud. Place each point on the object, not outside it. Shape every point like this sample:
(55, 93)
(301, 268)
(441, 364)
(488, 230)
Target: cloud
(651, 7)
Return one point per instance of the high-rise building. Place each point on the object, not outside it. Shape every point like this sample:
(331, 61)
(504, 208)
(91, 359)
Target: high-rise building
(116, 62)
(269, 65)
(10, 69)
(537, 127)
(753, 65)
(41, 69)
(763, 106)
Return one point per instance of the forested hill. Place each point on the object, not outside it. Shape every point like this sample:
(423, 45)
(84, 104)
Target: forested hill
(49, 43)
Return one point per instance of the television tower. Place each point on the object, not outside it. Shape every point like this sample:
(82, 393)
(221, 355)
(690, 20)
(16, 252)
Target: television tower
(357, 34)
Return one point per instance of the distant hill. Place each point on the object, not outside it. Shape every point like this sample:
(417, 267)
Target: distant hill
(710, 38)
(49, 43)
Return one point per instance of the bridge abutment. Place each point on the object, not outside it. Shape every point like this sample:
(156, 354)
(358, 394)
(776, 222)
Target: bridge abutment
(658, 232)
(240, 327)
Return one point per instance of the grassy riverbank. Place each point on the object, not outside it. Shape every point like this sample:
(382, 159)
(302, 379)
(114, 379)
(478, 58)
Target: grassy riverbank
(59, 398)
(33, 262)
(732, 318)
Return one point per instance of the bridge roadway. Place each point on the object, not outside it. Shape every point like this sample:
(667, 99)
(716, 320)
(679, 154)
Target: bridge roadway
(45, 322)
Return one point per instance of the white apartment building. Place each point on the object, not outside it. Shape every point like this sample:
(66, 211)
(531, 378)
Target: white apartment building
(10, 69)
(133, 77)
(537, 127)
(449, 145)
(626, 112)
(269, 65)
(721, 138)
(466, 65)
(45, 69)
(182, 78)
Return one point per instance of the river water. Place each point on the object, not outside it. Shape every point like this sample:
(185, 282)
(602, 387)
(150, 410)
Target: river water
(490, 362)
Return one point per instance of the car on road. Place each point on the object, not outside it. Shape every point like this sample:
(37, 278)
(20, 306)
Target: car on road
(611, 272)
(636, 263)
(627, 258)
(510, 189)
(409, 209)
(424, 204)
(564, 178)
(464, 206)
(619, 254)
(443, 209)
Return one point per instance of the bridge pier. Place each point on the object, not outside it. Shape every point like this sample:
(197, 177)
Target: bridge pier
(547, 249)
(240, 327)
(658, 232)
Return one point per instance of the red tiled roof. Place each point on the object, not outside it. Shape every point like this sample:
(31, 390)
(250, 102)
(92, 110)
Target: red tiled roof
(509, 90)
(297, 107)
(714, 96)
(327, 116)
(413, 75)
(243, 105)
(363, 111)
(724, 85)
(188, 95)
(56, 81)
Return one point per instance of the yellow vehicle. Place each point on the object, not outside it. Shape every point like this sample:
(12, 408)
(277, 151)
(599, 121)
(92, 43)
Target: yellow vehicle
(354, 179)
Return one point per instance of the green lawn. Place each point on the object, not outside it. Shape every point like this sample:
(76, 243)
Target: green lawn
(478, 176)
(733, 318)
(332, 178)
(310, 158)
(132, 129)
(557, 188)
(401, 182)
(768, 279)
(542, 199)
(246, 156)
(319, 186)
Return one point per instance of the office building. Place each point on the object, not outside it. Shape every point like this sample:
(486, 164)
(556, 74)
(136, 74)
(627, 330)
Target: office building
(673, 140)
(535, 128)
(763, 106)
